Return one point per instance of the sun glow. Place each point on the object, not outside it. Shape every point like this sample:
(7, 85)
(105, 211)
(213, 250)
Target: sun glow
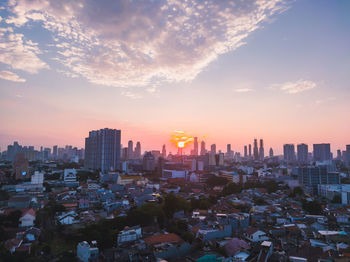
(180, 139)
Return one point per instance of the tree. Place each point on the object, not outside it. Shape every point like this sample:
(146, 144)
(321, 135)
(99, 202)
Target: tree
(173, 203)
(216, 181)
(313, 207)
(336, 199)
(231, 188)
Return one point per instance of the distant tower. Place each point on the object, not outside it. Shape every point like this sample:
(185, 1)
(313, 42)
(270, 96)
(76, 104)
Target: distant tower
(289, 152)
(137, 152)
(256, 150)
(245, 151)
(213, 149)
(271, 152)
(130, 149)
(261, 150)
(164, 151)
(302, 153)
(250, 150)
(195, 146)
(203, 150)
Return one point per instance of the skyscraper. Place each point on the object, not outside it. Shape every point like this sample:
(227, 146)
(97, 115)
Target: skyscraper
(250, 150)
(261, 150)
(245, 151)
(195, 146)
(164, 151)
(203, 150)
(213, 149)
(302, 153)
(130, 150)
(256, 150)
(322, 152)
(137, 152)
(102, 149)
(347, 153)
(54, 152)
(289, 152)
(271, 152)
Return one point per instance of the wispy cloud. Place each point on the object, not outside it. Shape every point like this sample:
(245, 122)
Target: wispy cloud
(322, 101)
(7, 75)
(295, 87)
(243, 90)
(131, 95)
(135, 43)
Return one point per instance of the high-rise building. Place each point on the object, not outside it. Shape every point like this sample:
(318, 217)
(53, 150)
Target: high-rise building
(261, 150)
(148, 162)
(102, 149)
(164, 151)
(322, 152)
(302, 153)
(256, 150)
(271, 152)
(137, 152)
(339, 154)
(54, 152)
(195, 146)
(250, 150)
(311, 177)
(130, 149)
(289, 152)
(347, 153)
(213, 149)
(203, 150)
(245, 151)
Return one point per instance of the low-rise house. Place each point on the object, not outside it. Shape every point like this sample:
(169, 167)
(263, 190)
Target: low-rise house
(68, 218)
(27, 219)
(129, 235)
(255, 235)
(86, 253)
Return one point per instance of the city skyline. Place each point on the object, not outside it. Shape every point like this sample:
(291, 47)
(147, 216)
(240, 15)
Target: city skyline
(275, 69)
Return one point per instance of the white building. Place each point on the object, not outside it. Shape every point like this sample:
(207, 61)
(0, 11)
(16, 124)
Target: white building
(129, 235)
(329, 191)
(86, 253)
(28, 218)
(255, 235)
(70, 175)
(37, 178)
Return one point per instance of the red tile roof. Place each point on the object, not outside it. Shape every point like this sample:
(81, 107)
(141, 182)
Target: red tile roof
(164, 238)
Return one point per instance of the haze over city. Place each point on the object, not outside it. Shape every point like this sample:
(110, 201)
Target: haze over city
(227, 72)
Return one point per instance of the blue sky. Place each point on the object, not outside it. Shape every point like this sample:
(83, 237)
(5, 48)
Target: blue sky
(275, 69)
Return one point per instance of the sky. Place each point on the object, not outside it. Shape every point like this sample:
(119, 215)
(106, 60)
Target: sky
(224, 71)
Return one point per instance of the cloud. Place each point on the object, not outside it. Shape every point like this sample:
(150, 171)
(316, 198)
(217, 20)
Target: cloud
(7, 75)
(243, 90)
(295, 87)
(131, 95)
(135, 43)
(322, 101)
(19, 53)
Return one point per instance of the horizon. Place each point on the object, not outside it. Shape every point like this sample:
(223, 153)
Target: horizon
(226, 72)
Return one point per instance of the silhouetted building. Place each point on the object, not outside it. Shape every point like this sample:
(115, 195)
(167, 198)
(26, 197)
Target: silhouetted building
(250, 150)
(302, 153)
(130, 149)
(322, 152)
(102, 149)
(289, 152)
(195, 147)
(149, 162)
(203, 150)
(164, 151)
(245, 151)
(256, 150)
(261, 150)
(137, 153)
(271, 152)
(21, 167)
(213, 149)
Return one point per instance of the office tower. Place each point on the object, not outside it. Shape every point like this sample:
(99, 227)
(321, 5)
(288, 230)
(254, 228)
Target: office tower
(311, 177)
(102, 149)
(21, 167)
(256, 150)
(213, 149)
(302, 153)
(148, 162)
(261, 150)
(125, 154)
(339, 154)
(203, 150)
(228, 148)
(245, 151)
(250, 150)
(289, 152)
(164, 151)
(54, 152)
(347, 153)
(322, 152)
(195, 146)
(137, 152)
(130, 149)
(271, 152)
